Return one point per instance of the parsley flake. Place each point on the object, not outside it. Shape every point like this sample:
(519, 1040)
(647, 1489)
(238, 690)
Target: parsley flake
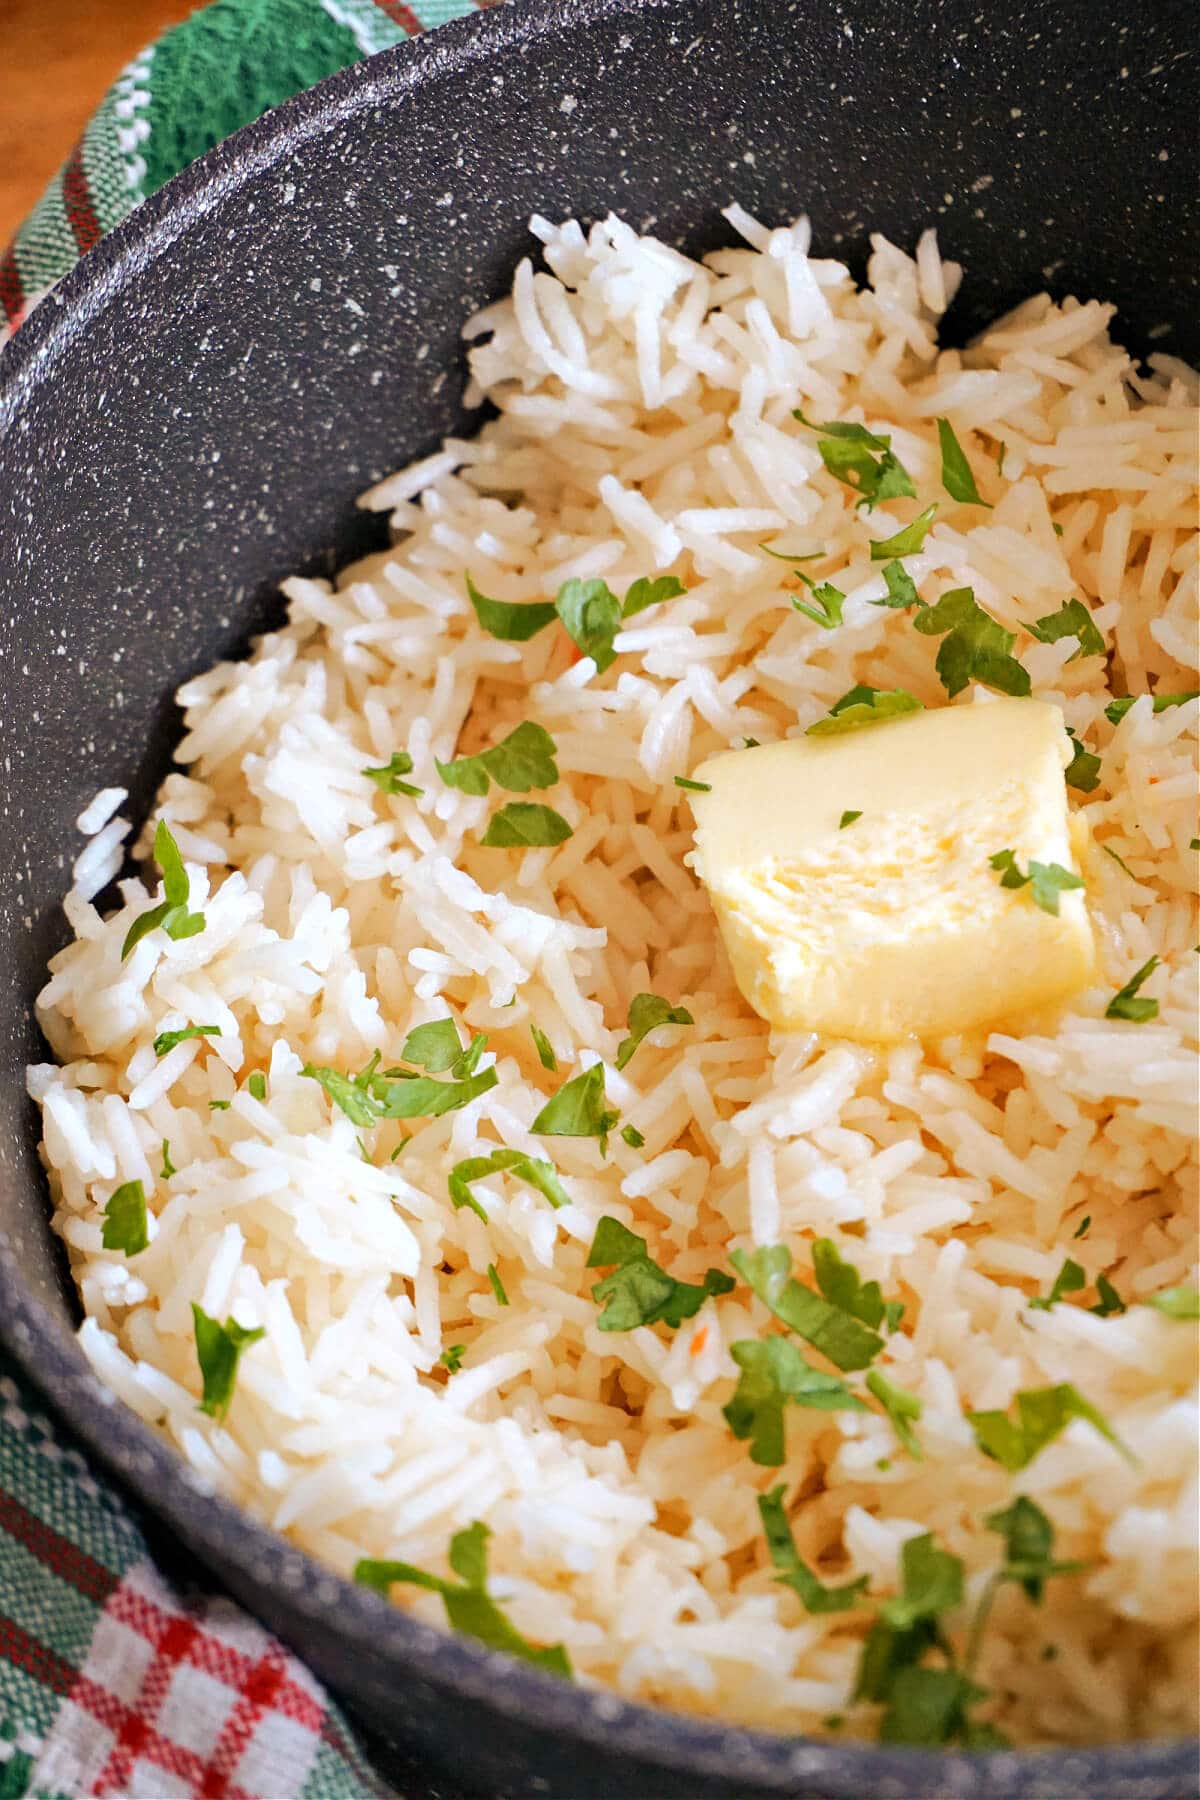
(1071, 620)
(497, 1286)
(639, 1291)
(908, 540)
(522, 825)
(541, 1175)
(901, 1407)
(1028, 1547)
(848, 818)
(257, 1085)
(957, 478)
(1041, 1414)
(469, 1606)
(168, 1167)
(544, 1048)
(633, 1137)
(369, 1096)
(1109, 1302)
(591, 613)
(522, 760)
(1069, 1280)
(167, 1040)
(452, 1358)
(827, 603)
(171, 912)
(1046, 881)
(1115, 711)
(841, 1285)
(975, 646)
(648, 591)
(646, 1013)
(515, 624)
(847, 449)
(774, 1372)
(693, 787)
(864, 706)
(791, 1569)
(218, 1351)
(1083, 770)
(125, 1226)
(387, 776)
(840, 1335)
(1176, 1302)
(1125, 1003)
(1084, 1225)
(578, 1110)
(901, 589)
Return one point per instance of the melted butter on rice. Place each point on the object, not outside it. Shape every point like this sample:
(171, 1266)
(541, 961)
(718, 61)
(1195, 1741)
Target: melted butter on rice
(644, 423)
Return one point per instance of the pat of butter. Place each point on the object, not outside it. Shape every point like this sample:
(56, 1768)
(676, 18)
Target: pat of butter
(896, 923)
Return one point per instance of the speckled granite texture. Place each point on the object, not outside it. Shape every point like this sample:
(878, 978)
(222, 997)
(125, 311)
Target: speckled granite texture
(192, 414)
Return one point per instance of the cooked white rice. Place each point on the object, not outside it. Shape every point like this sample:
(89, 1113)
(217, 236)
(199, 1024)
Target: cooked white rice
(645, 425)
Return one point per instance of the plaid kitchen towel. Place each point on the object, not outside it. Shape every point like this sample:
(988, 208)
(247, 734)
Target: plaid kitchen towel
(221, 68)
(113, 1680)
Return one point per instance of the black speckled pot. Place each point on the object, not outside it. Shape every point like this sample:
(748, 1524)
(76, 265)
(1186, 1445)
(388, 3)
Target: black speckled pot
(192, 414)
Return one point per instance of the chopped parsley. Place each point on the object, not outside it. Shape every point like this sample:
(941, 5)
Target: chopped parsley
(931, 1703)
(437, 1048)
(1028, 1547)
(1071, 620)
(848, 818)
(791, 1569)
(901, 588)
(650, 591)
(1115, 711)
(957, 478)
(1041, 1414)
(908, 540)
(257, 1085)
(864, 706)
(469, 1606)
(792, 557)
(1046, 881)
(774, 1372)
(1109, 1302)
(1069, 1280)
(632, 1137)
(544, 1048)
(171, 912)
(639, 1291)
(168, 1167)
(541, 1175)
(849, 453)
(901, 1407)
(825, 609)
(387, 776)
(1083, 770)
(974, 647)
(840, 1335)
(218, 1351)
(452, 1358)
(1126, 1004)
(1083, 1227)
(125, 1226)
(693, 787)
(591, 613)
(1119, 860)
(646, 1013)
(497, 1286)
(218, 1106)
(167, 1040)
(841, 1285)
(370, 1096)
(522, 760)
(1176, 1302)
(515, 624)
(522, 825)
(578, 1109)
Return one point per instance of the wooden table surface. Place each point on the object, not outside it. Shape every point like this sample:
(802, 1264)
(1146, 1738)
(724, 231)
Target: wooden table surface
(58, 58)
